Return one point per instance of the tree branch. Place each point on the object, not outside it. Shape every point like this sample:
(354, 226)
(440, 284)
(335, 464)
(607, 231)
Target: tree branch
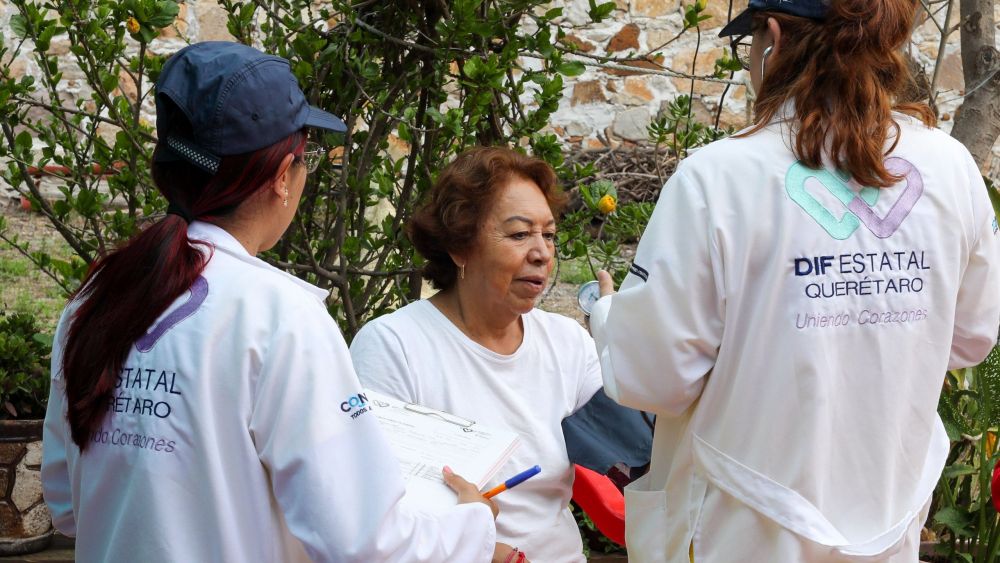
(977, 124)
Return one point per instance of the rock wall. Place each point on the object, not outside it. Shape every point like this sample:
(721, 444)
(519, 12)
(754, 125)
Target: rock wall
(23, 513)
(609, 106)
(605, 106)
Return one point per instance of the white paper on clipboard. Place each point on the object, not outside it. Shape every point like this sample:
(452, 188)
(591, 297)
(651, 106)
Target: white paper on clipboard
(424, 440)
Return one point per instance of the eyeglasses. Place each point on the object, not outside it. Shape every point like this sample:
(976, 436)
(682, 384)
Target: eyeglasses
(741, 50)
(312, 156)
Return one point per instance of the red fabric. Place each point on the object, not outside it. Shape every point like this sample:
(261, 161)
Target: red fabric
(601, 500)
(994, 486)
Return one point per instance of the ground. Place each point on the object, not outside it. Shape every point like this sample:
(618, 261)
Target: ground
(23, 287)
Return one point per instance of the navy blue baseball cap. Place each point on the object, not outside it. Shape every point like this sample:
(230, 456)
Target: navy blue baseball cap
(743, 23)
(233, 99)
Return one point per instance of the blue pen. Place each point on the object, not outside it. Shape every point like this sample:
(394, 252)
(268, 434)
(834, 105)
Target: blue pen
(513, 481)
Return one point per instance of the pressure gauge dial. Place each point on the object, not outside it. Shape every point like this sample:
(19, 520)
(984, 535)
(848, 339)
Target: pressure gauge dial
(588, 294)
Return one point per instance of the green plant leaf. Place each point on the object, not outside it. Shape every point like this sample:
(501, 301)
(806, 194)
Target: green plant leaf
(19, 25)
(956, 520)
(571, 68)
(598, 12)
(957, 470)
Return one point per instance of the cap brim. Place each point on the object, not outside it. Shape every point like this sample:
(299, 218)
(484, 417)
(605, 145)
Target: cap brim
(741, 24)
(324, 120)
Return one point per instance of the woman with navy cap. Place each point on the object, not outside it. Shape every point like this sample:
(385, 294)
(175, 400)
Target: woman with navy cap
(795, 301)
(194, 408)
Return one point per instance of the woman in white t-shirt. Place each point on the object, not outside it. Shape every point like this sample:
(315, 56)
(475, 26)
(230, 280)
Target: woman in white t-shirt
(479, 349)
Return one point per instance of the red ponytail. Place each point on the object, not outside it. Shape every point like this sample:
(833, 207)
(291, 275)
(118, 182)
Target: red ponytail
(127, 290)
(845, 75)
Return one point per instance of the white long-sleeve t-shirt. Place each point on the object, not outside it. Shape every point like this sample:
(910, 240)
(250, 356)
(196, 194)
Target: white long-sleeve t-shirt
(237, 433)
(416, 354)
(792, 331)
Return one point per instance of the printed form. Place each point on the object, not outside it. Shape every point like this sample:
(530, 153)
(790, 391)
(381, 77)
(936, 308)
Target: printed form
(424, 440)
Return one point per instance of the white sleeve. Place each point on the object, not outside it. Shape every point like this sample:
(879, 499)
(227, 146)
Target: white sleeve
(333, 475)
(977, 314)
(56, 485)
(659, 336)
(380, 362)
(590, 378)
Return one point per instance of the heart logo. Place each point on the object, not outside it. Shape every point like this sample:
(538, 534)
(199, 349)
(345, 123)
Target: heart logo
(859, 203)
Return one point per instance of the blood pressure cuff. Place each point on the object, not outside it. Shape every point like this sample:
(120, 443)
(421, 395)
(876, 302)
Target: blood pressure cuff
(604, 433)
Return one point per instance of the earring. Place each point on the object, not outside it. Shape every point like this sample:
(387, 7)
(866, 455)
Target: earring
(461, 271)
(285, 202)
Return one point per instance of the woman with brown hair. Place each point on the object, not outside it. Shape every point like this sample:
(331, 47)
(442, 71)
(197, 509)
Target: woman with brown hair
(479, 349)
(795, 301)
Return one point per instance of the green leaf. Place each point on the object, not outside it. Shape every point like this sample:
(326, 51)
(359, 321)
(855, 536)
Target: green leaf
(571, 68)
(474, 68)
(598, 12)
(19, 25)
(991, 190)
(957, 470)
(958, 521)
(22, 145)
(165, 14)
(45, 38)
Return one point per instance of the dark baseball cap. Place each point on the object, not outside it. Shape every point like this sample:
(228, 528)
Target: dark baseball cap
(743, 23)
(231, 99)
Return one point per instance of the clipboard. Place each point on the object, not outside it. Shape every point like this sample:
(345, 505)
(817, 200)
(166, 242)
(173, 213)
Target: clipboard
(424, 440)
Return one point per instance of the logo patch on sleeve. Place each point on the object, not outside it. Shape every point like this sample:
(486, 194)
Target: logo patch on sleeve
(639, 271)
(355, 405)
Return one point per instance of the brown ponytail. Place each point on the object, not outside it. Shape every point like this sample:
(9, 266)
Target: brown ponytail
(845, 75)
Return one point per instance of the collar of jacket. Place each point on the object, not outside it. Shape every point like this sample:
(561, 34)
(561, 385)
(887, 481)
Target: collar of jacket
(222, 241)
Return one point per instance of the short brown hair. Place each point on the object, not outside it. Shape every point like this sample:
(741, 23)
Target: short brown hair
(454, 209)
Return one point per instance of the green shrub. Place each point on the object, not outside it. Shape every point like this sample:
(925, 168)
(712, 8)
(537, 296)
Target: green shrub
(24, 367)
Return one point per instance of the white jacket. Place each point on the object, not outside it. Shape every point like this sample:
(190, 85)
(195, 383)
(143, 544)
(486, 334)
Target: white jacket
(238, 432)
(792, 331)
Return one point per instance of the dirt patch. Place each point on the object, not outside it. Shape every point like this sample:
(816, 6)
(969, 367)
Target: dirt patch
(23, 287)
(561, 299)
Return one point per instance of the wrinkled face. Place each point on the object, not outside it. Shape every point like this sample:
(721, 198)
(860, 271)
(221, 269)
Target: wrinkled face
(510, 264)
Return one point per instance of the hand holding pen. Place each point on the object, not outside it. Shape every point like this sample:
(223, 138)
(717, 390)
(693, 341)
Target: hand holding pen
(466, 491)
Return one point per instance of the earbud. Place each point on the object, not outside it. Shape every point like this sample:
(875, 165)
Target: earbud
(763, 60)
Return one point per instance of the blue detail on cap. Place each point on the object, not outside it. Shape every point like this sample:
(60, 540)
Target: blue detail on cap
(815, 9)
(741, 24)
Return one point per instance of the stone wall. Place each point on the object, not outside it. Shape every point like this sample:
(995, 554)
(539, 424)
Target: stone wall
(603, 106)
(23, 513)
(613, 105)
(610, 106)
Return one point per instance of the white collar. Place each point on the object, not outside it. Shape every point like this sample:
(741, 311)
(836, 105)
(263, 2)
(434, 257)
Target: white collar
(222, 240)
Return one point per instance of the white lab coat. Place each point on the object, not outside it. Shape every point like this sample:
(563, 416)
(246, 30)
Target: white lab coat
(238, 433)
(792, 334)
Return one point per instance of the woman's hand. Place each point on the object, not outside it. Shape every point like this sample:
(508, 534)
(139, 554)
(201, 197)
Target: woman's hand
(504, 553)
(605, 282)
(467, 492)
